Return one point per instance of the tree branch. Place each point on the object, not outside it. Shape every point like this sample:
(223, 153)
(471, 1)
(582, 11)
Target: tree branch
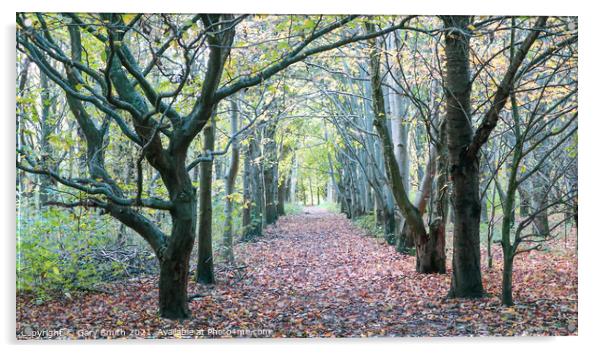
(503, 92)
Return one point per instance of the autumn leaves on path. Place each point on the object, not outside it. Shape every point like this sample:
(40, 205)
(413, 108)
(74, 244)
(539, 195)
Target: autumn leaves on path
(317, 275)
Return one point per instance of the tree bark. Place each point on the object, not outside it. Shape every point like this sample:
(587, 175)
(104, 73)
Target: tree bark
(540, 201)
(228, 249)
(255, 192)
(246, 194)
(424, 245)
(406, 238)
(466, 264)
(525, 200)
(46, 182)
(507, 279)
(173, 293)
(465, 144)
(174, 256)
(270, 173)
(204, 271)
(282, 191)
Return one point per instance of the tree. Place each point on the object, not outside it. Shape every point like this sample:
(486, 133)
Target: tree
(114, 88)
(228, 250)
(542, 127)
(464, 144)
(430, 245)
(204, 269)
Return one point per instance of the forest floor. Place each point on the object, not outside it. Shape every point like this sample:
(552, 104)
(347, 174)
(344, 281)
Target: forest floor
(317, 275)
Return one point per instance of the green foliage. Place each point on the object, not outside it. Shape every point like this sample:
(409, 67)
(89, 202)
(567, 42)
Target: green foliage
(497, 232)
(292, 208)
(60, 251)
(219, 217)
(369, 224)
(330, 206)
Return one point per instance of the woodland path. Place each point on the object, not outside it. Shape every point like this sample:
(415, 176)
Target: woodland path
(316, 274)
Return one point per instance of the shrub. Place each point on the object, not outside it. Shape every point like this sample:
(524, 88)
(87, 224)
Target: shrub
(368, 223)
(67, 250)
(292, 208)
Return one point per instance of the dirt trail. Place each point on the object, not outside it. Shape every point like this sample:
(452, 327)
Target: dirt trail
(316, 274)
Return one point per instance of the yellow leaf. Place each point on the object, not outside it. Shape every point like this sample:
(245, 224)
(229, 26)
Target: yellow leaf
(127, 18)
(472, 27)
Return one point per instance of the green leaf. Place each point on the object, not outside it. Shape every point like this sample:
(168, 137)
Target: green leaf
(283, 45)
(309, 23)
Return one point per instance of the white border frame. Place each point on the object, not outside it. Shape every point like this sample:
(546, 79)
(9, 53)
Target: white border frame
(589, 169)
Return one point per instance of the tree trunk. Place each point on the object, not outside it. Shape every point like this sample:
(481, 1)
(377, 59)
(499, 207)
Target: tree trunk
(507, 278)
(175, 257)
(173, 293)
(293, 188)
(430, 251)
(228, 250)
(466, 265)
(282, 191)
(253, 213)
(389, 224)
(508, 247)
(330, 190)
(540, 201)
(270, 174)
(491, 229)
(435, 249)
(46, 182)
(466, 279)
(424, 245)
(311, 193)
(20, 131)
(246, 194)
(525, 200)
(271, 183)
(406, 238)
(484, 211)
(204, 271)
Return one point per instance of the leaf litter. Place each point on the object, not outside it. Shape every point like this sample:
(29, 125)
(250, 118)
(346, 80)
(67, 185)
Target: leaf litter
(317, 275)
